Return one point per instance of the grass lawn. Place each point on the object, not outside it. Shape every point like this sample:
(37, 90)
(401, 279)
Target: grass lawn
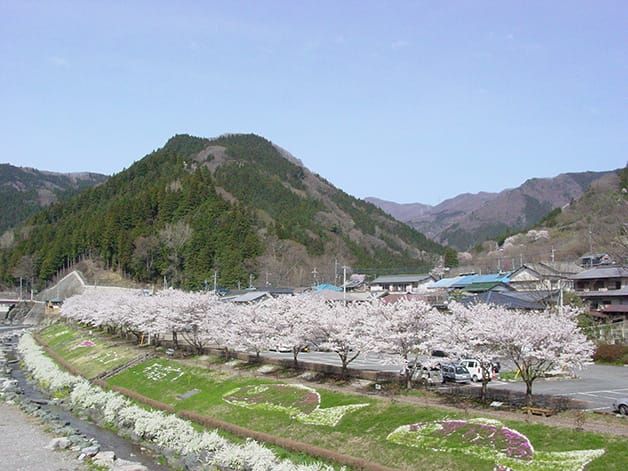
(296, 413)
(361, 433)
(91, 354)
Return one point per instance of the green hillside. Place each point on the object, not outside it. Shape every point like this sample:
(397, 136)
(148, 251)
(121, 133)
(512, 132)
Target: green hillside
(24, 191)
(235, 204)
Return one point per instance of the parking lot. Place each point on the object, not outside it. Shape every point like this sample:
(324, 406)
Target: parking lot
(596, 385)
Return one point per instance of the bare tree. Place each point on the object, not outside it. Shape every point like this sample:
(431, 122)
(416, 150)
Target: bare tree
(174, 237)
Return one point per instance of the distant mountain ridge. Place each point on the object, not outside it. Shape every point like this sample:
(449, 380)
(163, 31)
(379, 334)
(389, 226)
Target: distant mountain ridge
(237, 206)
(594, 223)
(468, 219)
(25, 190)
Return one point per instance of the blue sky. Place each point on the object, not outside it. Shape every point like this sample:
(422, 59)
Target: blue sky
(407, 101)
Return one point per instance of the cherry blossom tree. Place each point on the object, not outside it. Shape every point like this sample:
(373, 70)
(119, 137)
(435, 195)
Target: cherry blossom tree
(405, 330)
(537, 342)
(295, 322)
(540, 342)
(347, 330)
(468, 332)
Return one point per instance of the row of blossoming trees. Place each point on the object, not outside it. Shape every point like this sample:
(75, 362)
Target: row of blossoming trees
(536, 342)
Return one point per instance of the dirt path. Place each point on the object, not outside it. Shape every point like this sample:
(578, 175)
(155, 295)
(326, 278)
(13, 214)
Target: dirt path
(23, 441)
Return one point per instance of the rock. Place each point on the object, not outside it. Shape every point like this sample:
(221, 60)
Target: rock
(75, 438)
(60, 443)
(124, 465)
(8, 385)
(104, 458)
(191, 460)
(90, 450)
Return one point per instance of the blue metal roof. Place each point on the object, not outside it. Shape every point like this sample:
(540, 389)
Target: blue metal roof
(444, 282)
(491, 278)
(326, 287)
(465, 280)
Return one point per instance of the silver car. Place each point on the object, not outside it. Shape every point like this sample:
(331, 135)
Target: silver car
(455, 373)
(621, 406)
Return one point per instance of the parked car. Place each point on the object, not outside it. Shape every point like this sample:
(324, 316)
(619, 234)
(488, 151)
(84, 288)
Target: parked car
(475, 370)
(281, 349)
(455, 373)
(621, 406)
(439, 353)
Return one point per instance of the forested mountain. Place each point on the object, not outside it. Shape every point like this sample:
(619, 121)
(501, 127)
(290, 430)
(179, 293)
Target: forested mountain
(24, 191)
(237, 205)
(596, 222)
(469, 219)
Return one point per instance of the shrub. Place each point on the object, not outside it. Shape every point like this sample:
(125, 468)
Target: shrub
(611, 353)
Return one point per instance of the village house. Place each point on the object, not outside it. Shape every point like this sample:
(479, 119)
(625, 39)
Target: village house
(402, 283)
(605, 290)
(544, 276)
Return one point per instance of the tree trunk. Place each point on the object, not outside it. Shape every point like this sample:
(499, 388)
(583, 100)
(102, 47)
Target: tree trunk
(295, 354)
(175, 340)
(484, 390)
(529, 392)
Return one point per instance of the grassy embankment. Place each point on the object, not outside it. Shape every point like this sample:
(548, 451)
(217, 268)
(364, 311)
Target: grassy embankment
(361, 433)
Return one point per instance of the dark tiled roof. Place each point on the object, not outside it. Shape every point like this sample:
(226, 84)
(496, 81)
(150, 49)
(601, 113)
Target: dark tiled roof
(504, 300)
(402, 278)
(602, 272)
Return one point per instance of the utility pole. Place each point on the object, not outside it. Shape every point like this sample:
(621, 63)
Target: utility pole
(314, 276)
(553, 254)
(20, 288)
(250, 280)
(520, 260)
(335, 271)
(590, 240)
(215, 281)
(344, 284)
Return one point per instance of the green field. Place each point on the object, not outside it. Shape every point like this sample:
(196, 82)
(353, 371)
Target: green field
(284, 411)
(90, 353)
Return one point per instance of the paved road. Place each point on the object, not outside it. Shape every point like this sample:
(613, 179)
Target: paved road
(597, 385)
(363, 362)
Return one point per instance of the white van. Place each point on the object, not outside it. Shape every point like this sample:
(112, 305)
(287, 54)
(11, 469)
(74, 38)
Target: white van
(475, 370)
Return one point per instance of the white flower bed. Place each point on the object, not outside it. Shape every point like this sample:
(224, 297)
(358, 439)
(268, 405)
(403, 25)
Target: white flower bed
(165, 430)
(43, 369)
(157, 372)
